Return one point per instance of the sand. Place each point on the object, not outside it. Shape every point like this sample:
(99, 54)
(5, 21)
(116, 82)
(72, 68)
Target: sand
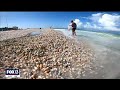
(51, 55)
(4, 35)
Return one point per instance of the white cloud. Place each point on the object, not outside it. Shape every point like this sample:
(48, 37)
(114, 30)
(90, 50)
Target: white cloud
(95, 17)
(100, 21)
(78, 22)
(91, 26)
(103, 21)
(106, 21)
(109, 21)
(87, 25)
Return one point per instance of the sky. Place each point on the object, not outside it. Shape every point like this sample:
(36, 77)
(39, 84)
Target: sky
(84, 20)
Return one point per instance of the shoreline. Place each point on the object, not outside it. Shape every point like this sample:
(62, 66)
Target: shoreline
(50, 55)
(4, 35)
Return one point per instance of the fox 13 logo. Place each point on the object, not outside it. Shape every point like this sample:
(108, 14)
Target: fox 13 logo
(12, 73)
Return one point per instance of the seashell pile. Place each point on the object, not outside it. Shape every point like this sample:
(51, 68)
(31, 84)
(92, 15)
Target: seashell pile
(50, 55)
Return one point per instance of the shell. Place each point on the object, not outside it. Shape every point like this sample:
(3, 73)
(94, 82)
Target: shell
(41, 55)
(40, 66)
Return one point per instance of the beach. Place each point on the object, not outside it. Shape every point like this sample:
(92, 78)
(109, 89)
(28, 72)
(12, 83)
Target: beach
(106, 48)
(42, 45)
(4, 35)
(45, 54)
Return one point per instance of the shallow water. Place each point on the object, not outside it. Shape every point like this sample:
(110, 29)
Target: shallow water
(35, 33)
(107, 51)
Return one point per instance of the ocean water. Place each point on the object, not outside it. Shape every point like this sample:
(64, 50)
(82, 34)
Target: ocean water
(106, 46)
(35, 33)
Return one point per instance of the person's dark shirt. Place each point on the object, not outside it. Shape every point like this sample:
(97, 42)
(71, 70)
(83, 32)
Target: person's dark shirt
(74, 25)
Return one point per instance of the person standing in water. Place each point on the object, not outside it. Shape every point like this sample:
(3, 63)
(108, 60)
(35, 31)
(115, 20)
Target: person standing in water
(74, 26)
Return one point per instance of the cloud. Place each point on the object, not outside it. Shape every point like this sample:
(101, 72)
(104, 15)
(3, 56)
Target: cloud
(95, 17)
(106, 21)
(78, 22)
(109, 21)
(101, 21)
(88, 25)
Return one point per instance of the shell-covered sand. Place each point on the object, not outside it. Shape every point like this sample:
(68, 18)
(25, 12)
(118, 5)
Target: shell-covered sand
(48, 56)
(16, 33)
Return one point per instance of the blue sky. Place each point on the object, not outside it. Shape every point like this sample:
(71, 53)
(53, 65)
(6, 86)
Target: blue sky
(39, 19)
(59, 19)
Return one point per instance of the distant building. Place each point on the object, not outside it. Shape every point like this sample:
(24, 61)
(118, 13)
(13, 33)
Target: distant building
(6, 28)
(15, 28)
